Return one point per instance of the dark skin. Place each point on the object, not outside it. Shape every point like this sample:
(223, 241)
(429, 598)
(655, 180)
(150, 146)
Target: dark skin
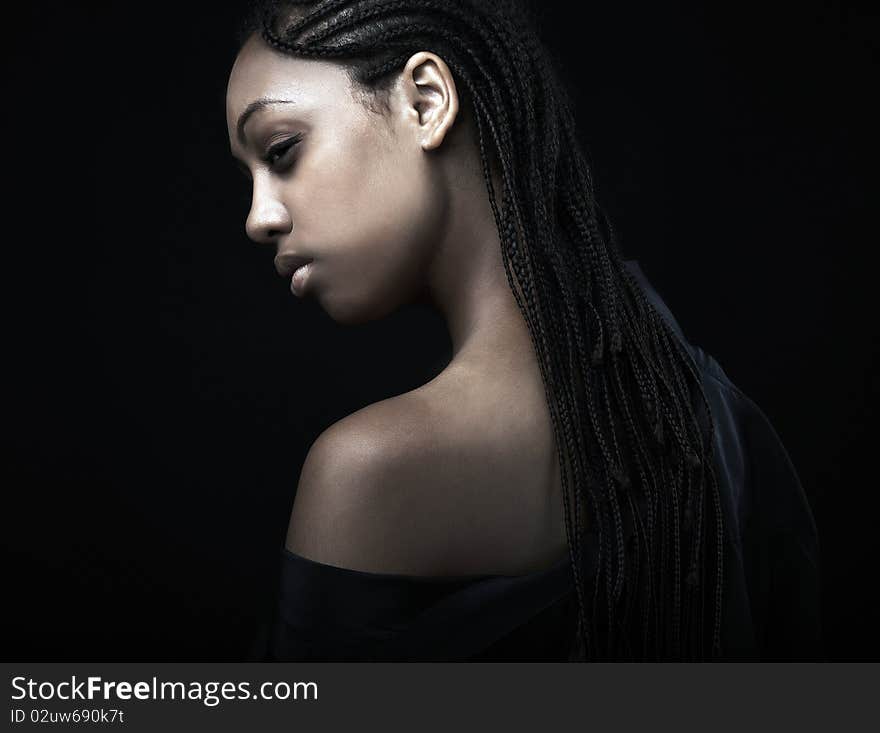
(460, 475)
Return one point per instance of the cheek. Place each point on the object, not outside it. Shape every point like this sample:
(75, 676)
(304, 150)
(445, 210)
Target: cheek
(371, 217)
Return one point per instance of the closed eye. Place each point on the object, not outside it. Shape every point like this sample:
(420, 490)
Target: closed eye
(278, 153)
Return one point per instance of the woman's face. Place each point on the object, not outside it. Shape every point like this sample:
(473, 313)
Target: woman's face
(334, 183)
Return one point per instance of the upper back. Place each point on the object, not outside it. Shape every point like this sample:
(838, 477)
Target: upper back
(458, 477)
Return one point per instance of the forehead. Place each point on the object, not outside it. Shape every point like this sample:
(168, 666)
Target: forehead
(259, 72)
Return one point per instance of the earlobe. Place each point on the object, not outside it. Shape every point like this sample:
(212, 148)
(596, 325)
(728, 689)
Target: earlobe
(433, 97)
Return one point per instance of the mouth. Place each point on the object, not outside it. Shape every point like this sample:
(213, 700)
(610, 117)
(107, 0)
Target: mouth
(287, 263)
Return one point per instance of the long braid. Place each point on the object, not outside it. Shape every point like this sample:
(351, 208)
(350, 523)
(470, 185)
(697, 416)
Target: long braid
(636, 462)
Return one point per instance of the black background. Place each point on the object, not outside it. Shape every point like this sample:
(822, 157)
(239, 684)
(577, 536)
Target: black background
(165, 385)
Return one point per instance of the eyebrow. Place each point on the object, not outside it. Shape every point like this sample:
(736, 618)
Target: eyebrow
(253, 107)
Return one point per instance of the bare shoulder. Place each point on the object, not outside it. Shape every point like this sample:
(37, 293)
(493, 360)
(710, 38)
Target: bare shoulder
(429, 484)
(354, 486)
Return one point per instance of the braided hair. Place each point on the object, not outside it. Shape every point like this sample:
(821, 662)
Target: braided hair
(633, 428)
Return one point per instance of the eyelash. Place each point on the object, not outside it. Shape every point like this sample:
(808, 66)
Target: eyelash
(276, 152)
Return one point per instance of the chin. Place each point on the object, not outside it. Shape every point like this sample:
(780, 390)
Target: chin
(354, 312)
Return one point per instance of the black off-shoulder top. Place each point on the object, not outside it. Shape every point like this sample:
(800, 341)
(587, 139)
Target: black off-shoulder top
(771, 602)
(329, 613)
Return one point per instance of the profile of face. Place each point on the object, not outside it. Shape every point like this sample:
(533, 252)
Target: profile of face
(354, 192)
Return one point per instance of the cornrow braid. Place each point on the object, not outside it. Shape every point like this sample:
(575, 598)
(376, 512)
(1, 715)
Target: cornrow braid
(633, 428)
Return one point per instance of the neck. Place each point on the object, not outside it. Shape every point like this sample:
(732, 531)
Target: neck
(468, 285)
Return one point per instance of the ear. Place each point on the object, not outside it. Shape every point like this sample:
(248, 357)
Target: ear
(432, 99)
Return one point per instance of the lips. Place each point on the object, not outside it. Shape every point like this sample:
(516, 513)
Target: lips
(286, 263)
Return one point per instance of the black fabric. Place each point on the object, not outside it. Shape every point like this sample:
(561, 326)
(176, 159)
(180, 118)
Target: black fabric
(329, 613)
(771, 602)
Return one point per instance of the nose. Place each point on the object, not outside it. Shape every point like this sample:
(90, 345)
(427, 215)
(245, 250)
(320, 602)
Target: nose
(268, 218)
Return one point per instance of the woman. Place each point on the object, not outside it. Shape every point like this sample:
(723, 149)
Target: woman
(555, 492)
